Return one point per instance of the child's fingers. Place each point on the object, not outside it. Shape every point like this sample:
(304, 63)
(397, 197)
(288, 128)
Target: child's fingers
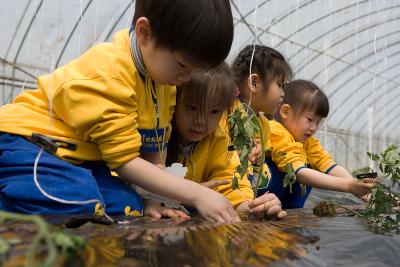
(230, 216)
(262, 199)
(264, 207)
(181, 214)
(366, 197)
(219, 219)
(273, 211)
(282, 214)
(173, 213)
(234, 215)
(215, 183)
(154, 213)
(371, 181)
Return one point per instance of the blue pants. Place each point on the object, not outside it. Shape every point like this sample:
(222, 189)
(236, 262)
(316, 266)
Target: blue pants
(58, 178)
(290, 200)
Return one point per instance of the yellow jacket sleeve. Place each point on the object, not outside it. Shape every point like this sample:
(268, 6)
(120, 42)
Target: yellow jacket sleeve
(93, 102)
(92, 109)
(211, 160)
(267, 131)
(221, 166)
(317, 156)
(283, 141)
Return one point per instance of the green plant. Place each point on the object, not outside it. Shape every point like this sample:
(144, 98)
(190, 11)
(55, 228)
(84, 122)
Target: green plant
(290, 178)
(244, 126)
(57, 243)
(388, 163)
(381, 212)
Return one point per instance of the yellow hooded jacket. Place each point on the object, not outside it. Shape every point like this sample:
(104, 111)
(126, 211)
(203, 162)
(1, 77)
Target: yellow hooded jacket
(299, 155)
(211, 160)
(98, 102)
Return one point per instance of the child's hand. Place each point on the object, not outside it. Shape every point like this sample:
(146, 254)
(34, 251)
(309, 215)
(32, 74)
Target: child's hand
(155, 210)
(214, 183)
(214, 207)
(361, 188)
(256, 152)
(267, 205)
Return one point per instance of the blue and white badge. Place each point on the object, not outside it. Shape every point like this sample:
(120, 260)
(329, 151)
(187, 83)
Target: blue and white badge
(152, 141)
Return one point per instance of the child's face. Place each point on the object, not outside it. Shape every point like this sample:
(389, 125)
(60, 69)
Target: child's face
(191, 122)
(166, 67)
(274, 97)
(269, 98)
(302, 126)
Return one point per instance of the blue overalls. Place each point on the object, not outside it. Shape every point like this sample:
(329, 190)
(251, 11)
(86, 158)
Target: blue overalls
(60, 179)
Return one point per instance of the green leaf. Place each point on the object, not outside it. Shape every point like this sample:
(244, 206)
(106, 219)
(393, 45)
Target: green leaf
(235, 182)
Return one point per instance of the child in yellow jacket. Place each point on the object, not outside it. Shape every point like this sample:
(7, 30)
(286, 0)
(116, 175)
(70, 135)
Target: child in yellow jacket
(110, 109)
(200, 143)
(297, 120)
(261, 87)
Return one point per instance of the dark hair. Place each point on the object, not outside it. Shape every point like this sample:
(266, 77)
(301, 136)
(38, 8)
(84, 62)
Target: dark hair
(268, 63)
(200, 30)
(304, 95)
(216, 84)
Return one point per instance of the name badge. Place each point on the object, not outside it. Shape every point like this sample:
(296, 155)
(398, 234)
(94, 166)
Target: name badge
(152, 141)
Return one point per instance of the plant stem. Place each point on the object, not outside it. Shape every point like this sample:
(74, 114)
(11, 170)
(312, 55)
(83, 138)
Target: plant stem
(42, 234)
(261, 132)
(348, 209)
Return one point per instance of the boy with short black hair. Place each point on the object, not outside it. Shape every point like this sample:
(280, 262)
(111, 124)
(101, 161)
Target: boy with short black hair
(109, 109)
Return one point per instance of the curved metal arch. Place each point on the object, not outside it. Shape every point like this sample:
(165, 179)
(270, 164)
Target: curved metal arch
(392, 88)
(27, 31)
(118, 20)
(349, 35)
(72, 33)
(319, 19)
(349, 147)
(343, 70)
(361, 112)
(366, 97)
(389, 91)
(17, 29)
(353, 64)
(338, 26)
(285, 15)
(23, 41)
(349, 97)
(391, 101)
(352, 51)
(245, 21)
(395, 128)
(248, 13)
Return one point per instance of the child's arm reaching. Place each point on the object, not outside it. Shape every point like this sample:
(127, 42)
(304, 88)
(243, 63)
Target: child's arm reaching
(339, 171)
(321, 180)
(210, 204)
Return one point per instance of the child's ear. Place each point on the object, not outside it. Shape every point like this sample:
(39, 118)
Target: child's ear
(254, 82)
(143, 30)
(284, 111)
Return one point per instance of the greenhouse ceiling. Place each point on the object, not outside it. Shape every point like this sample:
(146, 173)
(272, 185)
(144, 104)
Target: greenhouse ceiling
(350, 48)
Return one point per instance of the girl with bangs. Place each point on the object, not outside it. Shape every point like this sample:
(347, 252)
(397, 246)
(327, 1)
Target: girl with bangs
(292, 138)
(260, 73)
(200, 143)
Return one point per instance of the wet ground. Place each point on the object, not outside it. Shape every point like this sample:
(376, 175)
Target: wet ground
(301, 239)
